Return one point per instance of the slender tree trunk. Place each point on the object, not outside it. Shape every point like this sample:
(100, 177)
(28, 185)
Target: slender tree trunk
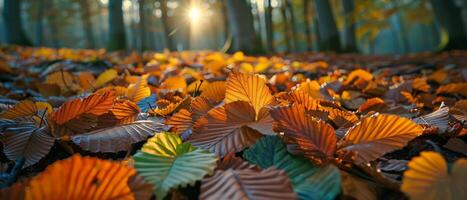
(225, 19)
(117, 39)
(450, 18)
(40, 23)
(349, 32)
(13, 23)
(327, 26)
(293, 25)
(165, 24)
(269, 26)
(307, 21)
(287, 33)
(403, 34)
(52, 16)
(87, 24)
(317, 34)
(142, 25)
(242, 28)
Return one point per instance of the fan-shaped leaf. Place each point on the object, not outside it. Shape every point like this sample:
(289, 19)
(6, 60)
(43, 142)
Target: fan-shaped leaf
(428, 178)
(314, 137)
(230, 128)
(249, 88)
(180, 121)
(378, 134)
(125, 111)
(96, 104)
(215, 91)
(166, 162)
(28, 142)
(247, 184)
(82, 178)
(308, 181)
(118, 138)
(21, 109)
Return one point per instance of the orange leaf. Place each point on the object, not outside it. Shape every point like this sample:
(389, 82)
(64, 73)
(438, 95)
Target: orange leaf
(378, 134)
(82, 178)
(22, 109)
(249, 88)
(313, 136)
(125, 111)
(96, 104)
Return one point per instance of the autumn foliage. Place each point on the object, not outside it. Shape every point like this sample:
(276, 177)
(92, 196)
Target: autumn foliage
(189, 125)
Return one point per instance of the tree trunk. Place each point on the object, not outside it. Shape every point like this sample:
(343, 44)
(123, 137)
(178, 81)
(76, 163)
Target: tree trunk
(450, 18)
(293, 24)
(307, 20)
(241, 26)
(87, 24)
(142, 25)
(13, 23)
(40, 23)
(269, 27)
(349, 31)
(287, 34)
(165, 24)
(403, 34)
(117, 39)
(330, 40)
(52, 17)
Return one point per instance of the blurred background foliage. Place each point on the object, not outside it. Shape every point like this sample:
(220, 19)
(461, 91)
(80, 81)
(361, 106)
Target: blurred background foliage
(254, 26)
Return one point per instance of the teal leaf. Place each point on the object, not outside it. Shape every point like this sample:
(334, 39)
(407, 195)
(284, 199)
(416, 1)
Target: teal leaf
(308, 181)
(166, 163)
(146, 103)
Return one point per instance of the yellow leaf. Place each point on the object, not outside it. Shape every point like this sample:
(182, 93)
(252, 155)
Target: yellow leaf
(105, 77)
(428, 178)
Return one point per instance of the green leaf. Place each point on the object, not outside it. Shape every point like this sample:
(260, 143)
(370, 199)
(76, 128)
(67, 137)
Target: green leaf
(166, 163)
(308, 181)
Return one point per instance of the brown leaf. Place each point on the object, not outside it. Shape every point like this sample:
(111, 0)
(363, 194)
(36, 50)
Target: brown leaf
(247, 184)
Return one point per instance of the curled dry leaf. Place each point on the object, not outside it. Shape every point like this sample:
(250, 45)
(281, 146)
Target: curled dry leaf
(96, 104)
(247, 184)
(166, 163)
(428, 177)
(118, 138)
(230, 128)
(314, 137)
(438, 118)
(230, 161)
(82, 178)
(139, 90)
(378, 134)
(26, 141)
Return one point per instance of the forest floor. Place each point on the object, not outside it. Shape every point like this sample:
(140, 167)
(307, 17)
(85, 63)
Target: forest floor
(76, 123)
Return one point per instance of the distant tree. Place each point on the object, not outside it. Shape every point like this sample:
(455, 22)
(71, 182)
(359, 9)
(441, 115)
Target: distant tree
(349, 44)
(450, 18)
(293, 24)
(241, 26)
(87, 23)
(142, 25)
(39, 29)
(307, 20)
(13, 23)
(117, 39)
(269, 26)
(329, 36)
(166, 25)
(287, 31)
